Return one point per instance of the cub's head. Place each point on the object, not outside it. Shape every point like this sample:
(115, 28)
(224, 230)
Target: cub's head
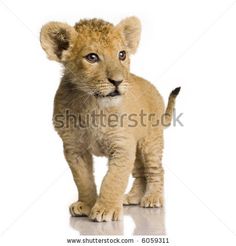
(95, 53)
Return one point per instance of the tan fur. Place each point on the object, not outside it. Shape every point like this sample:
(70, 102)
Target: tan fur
(84, 89)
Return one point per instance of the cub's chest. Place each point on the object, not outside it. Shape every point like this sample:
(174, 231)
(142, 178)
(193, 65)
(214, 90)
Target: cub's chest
(98, 130)
(97, 145)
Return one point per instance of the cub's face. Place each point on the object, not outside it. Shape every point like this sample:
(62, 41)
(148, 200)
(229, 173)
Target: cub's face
(96, 54)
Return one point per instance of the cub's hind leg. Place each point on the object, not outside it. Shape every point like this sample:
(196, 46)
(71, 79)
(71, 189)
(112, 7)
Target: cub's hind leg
(139, 185)
(152, 148)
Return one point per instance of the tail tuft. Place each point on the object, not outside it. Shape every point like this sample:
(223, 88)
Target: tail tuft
(170, 106)
(175, 92)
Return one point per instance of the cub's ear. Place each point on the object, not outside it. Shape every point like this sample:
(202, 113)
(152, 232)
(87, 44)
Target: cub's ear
(58, 39)
(130, 29)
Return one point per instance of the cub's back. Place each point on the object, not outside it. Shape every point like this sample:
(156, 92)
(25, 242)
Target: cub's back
(142, 95)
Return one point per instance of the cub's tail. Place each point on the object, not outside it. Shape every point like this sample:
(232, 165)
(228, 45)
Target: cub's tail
(170, 106)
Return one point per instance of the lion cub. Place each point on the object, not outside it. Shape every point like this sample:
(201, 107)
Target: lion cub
(102, 109)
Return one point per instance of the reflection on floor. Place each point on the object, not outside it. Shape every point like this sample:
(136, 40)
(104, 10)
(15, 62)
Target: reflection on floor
(148, 221)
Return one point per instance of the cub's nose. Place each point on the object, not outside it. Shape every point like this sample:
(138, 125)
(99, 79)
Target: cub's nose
(115, 82)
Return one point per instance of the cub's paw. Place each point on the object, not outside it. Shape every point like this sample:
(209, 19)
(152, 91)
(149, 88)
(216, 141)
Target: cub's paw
(132, 199)
(102, 212)
(79, 209)
(153, 200)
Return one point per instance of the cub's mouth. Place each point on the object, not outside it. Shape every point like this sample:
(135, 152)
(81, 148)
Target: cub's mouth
(111, 94)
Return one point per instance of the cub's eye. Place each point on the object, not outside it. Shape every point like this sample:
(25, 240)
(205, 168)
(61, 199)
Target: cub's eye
(92, 57)
(122, 55)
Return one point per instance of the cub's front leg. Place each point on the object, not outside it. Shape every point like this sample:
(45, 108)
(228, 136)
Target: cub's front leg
(82, 169)
(108, 206)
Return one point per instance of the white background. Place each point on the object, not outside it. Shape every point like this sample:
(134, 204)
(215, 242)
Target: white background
(186, 43)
